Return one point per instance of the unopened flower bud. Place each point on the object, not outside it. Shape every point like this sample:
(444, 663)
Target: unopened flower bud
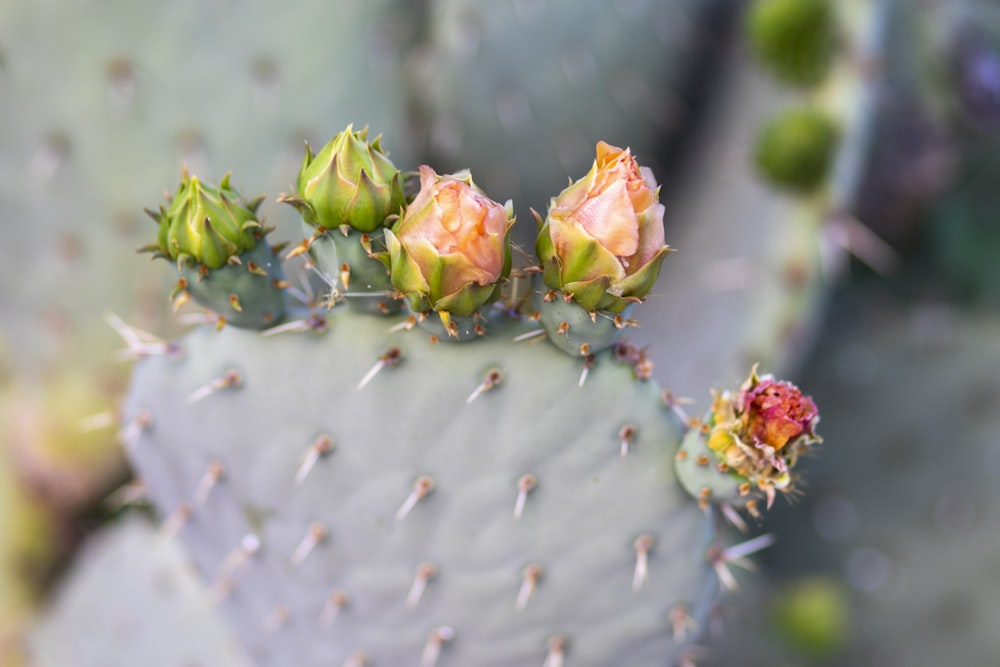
(795, 149)
(796, 39)
(602, 241)
(206, 224)
(223, 259)
(349, 182)
(450, 250)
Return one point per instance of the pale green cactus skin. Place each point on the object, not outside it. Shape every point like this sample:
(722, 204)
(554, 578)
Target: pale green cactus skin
(572, 329)
(260, 299)
(178, 624)
(699, 474)
(101, 110)
(414, 419)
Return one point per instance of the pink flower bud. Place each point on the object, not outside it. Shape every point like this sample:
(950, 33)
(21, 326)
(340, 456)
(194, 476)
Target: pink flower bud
(449, 251)
(602, 241)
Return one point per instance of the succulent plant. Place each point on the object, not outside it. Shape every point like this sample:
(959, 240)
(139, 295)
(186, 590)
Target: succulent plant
(491, 517)
(487, 504)
(681, 64)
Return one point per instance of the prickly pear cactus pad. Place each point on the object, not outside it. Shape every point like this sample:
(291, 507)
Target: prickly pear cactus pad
(366, 496)
(125, 562)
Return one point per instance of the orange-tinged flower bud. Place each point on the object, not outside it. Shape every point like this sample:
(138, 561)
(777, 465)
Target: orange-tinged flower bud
(602, 241)
(450, 250)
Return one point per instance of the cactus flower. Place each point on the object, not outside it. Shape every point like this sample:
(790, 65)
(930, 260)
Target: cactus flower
(449, 251)
(776, 412)
(602, 241)
(761, 431)
(207, 224)
(349, 182)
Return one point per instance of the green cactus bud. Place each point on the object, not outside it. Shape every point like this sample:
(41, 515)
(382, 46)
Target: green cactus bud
(796, 39)
(206, 224)
(450, 251)
(796, 148)
(224, 261)
(349, 182)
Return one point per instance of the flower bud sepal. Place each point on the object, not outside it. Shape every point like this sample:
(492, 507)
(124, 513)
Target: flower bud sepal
(585, 257)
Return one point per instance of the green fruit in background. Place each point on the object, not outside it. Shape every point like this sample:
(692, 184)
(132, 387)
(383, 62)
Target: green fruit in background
(796, 39)
(796, 148)
(812, 615)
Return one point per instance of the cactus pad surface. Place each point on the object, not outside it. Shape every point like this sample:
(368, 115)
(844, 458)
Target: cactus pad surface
(470, 503)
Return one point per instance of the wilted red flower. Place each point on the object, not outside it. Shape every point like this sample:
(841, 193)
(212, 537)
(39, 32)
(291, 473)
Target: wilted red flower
(761, 431)
(776, 412)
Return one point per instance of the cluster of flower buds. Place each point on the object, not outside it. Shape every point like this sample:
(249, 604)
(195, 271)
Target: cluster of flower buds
(446, 252)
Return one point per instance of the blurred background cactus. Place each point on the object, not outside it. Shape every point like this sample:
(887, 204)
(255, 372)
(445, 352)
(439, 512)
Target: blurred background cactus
(103, 102)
